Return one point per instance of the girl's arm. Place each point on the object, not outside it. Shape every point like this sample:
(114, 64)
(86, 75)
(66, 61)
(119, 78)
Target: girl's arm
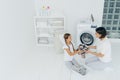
(72, 53)
(92, 47)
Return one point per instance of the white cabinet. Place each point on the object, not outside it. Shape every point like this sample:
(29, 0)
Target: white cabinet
(46, 28)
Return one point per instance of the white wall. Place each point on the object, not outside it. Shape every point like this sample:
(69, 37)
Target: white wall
(16, 26)
(16, 35)
(76, 10)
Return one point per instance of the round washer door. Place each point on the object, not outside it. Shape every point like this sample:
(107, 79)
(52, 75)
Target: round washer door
(87, 38)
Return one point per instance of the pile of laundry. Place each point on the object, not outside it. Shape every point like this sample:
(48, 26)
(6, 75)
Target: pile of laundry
(84, 48)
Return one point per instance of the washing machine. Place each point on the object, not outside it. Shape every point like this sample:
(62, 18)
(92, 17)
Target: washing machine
(86, 34)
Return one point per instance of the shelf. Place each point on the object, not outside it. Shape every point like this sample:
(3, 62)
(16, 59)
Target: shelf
(46, 45)
(44, 35)
(49, 16)
(46, 27)
(41, 25)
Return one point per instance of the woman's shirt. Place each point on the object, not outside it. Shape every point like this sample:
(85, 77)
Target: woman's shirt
(67, 57)
(104, 47)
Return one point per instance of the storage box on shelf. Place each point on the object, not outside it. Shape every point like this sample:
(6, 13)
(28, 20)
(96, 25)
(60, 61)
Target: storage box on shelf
(46, 28)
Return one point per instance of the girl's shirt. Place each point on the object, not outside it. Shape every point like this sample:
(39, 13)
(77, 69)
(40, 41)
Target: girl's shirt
(67, 57)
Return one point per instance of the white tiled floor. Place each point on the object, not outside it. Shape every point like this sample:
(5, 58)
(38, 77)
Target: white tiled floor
(46, 64)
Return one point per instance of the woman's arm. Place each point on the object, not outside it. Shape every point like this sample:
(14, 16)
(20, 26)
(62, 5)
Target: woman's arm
(95, 53)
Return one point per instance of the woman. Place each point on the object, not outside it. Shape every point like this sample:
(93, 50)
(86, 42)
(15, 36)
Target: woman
(102, 56)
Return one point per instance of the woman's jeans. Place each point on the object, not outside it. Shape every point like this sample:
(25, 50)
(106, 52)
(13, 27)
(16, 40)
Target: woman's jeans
(96, 64)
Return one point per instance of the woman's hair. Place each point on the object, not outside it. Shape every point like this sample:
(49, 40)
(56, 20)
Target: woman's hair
(102, 31)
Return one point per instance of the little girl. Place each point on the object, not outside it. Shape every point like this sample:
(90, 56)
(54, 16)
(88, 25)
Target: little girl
(69, 52)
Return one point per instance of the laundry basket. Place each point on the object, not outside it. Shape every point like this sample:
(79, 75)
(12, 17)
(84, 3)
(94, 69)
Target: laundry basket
(59, 41)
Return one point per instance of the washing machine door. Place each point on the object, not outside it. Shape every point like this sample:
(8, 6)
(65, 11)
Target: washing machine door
(87, 38)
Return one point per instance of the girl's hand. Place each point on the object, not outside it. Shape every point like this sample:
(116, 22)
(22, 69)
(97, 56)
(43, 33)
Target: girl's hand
(92, 47)
(80, 51)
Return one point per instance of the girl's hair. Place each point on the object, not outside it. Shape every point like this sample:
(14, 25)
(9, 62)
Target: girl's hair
(66, 35)
(101, 31)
